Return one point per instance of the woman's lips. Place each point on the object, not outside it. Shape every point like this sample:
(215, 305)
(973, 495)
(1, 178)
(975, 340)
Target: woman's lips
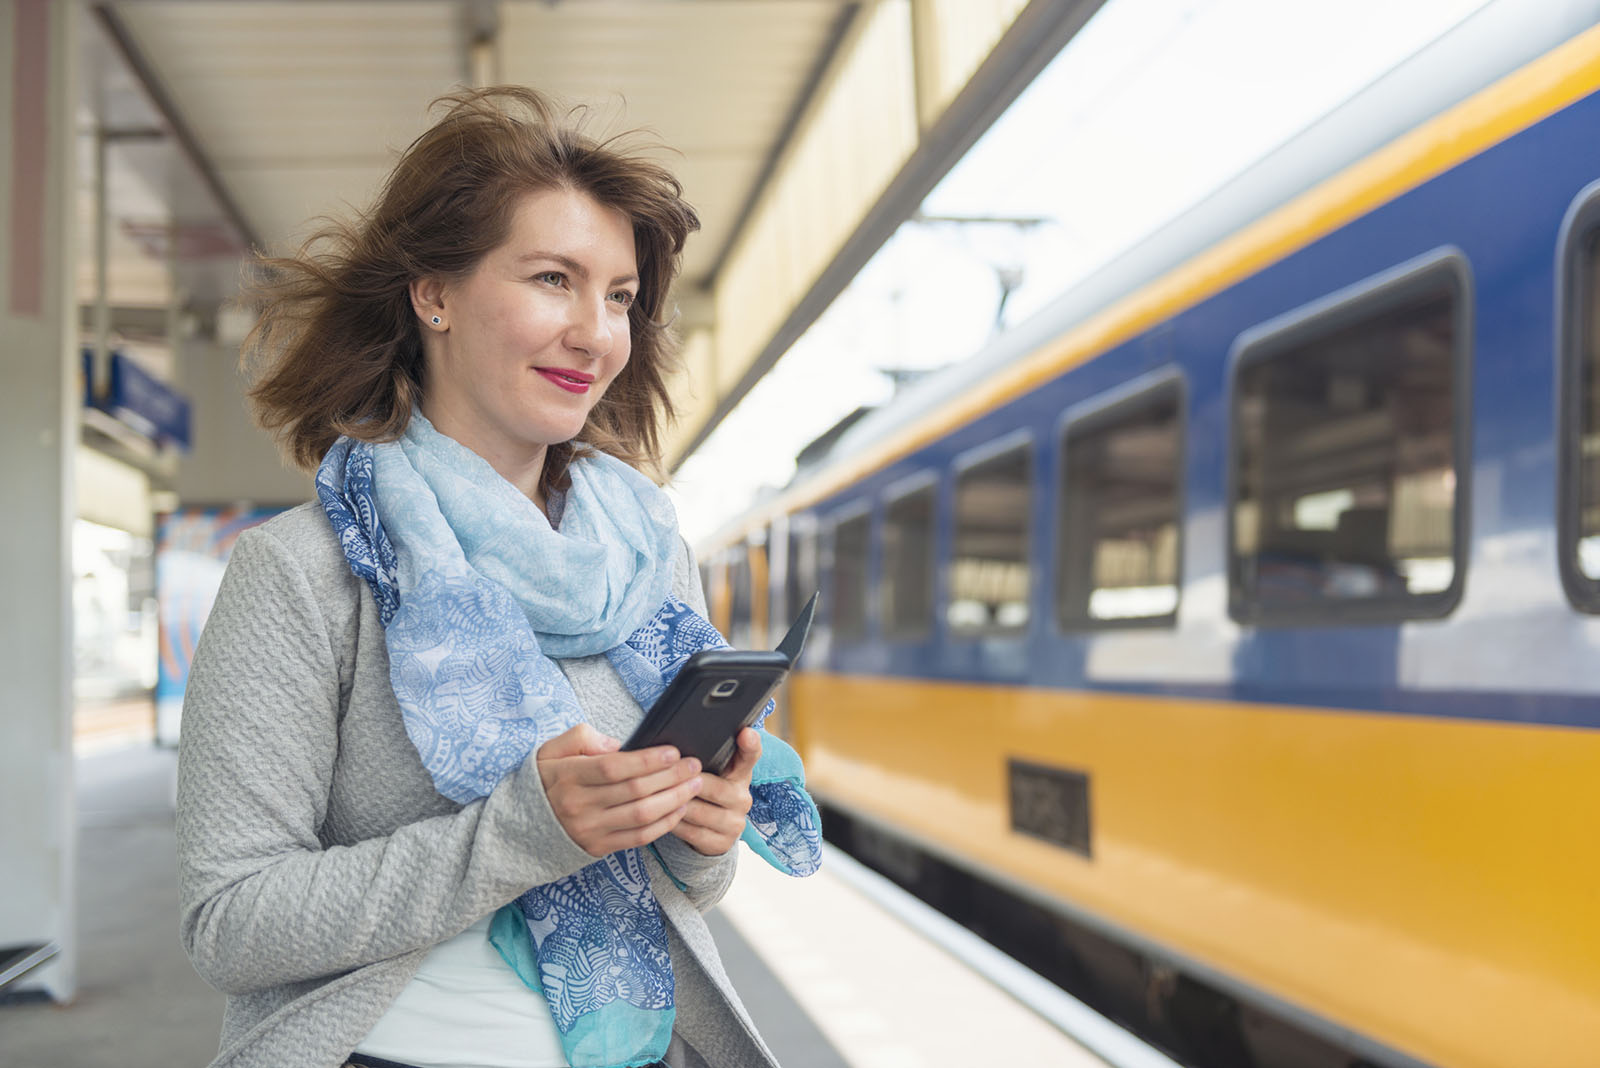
(571, 381)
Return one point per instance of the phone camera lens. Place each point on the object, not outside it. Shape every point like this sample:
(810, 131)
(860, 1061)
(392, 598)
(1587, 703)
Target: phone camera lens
(725, 688)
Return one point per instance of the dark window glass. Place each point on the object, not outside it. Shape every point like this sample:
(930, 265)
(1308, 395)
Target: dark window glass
(740, 597)
(1583, 443)
(1344, 460)
(989, 570)
(850, 577)
(800, 582)
(1119, 514)
(906, 592)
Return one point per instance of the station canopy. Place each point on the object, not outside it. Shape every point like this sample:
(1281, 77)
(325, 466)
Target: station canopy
(803, 130)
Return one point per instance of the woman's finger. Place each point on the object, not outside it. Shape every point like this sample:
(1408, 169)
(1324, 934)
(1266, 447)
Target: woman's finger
(621, 766)
(612, 794)
(745, 756)
(708, 828)
(704, 814)
(635, 837)
(579, 740)
(609, 819)
(731, 794)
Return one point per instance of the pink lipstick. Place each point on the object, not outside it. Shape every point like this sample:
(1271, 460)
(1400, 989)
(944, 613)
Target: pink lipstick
(571, 381)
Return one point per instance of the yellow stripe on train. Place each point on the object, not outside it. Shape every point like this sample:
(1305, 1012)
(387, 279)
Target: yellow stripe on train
(1431, 883)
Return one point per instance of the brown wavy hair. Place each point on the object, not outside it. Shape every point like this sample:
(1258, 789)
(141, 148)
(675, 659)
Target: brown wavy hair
(337, 348)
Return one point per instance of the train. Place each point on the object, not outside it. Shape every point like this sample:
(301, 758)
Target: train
(1224, 640)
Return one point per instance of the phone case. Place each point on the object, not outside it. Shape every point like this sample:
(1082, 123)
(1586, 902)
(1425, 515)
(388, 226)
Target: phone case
(713, 697)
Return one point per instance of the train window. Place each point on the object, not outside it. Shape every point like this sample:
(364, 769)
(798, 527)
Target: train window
(1119, 511)
(989, 574)
(1579, 530)
(905, 594)
(740, 600)
(1348, 449)
(800, 578)
(849, 586)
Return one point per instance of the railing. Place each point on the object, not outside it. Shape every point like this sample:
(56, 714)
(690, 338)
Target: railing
(17, 961)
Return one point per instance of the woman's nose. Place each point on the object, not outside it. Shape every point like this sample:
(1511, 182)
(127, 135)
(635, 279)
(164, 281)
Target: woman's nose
(590, 328)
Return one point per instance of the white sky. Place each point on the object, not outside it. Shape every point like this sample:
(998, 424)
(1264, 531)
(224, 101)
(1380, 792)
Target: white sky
(1152, 106)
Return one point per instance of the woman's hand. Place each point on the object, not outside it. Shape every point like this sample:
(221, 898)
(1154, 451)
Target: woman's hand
(715, 819)
(607, 799)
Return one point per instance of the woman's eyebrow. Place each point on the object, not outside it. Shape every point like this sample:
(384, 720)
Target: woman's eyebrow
(570, 264)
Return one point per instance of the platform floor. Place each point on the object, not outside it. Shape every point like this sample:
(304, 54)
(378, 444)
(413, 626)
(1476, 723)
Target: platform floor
(832, 979)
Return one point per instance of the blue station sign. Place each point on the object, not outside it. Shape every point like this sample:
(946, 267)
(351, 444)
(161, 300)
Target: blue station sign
(139, 400)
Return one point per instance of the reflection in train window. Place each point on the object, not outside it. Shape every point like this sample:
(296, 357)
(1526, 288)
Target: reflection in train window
(1345, 457)
(989, 571)
(1589, 432)
(1589, 435)
(1117, 554)
(1580, 521)
(849, 585)
(906, 592)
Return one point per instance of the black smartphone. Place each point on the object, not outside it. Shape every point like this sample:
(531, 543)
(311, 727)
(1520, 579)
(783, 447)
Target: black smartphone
(715, 695)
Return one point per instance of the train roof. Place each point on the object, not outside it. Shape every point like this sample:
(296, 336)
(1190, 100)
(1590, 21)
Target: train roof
(1493, 41)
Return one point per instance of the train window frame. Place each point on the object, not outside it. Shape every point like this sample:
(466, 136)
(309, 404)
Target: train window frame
(861, 511)
(1023, 440)
(1106, 409)
(1578, 245)
(921, 482)
(777, 572)
(1441, 270)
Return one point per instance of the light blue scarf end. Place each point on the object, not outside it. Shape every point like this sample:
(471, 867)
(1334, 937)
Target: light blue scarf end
(609, 1037)
(784, 828)
(508, 934)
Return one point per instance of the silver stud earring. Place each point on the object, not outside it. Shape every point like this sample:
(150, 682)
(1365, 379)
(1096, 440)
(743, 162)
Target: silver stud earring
(437, 320)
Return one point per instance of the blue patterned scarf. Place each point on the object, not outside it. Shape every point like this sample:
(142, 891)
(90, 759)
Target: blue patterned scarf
(477, 592)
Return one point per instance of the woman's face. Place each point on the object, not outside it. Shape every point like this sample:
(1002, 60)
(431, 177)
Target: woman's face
(529, 342)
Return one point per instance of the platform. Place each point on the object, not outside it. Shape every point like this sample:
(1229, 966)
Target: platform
(833, 979)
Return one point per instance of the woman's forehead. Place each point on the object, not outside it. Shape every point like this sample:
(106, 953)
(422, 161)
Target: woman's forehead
(569, 224)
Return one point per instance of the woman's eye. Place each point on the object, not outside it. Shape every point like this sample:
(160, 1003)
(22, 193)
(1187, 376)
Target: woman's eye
(622, 297)
(550, 278)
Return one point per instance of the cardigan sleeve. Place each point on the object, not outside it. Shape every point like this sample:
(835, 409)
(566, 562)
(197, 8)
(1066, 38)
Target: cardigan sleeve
(703, 879)
(264, 902)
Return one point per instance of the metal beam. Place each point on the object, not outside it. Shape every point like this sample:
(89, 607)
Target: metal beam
(1041, 30)
(837, 35)
(122, 38)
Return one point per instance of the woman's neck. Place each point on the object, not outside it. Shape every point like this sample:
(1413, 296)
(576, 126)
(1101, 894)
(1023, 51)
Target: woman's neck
(521, 467)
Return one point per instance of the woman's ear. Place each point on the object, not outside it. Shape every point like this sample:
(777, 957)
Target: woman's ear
(427, 300)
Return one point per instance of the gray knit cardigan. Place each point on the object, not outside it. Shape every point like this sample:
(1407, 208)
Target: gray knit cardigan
(318, 864)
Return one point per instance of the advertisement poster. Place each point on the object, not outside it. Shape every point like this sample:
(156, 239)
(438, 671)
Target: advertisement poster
(192, 548)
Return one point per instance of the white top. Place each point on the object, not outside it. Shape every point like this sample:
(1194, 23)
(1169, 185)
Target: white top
(466, 1008)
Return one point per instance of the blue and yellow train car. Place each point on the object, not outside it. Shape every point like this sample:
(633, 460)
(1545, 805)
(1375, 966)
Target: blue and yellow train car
(1239, 612)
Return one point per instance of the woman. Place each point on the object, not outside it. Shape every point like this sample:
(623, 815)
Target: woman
(407, 832)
